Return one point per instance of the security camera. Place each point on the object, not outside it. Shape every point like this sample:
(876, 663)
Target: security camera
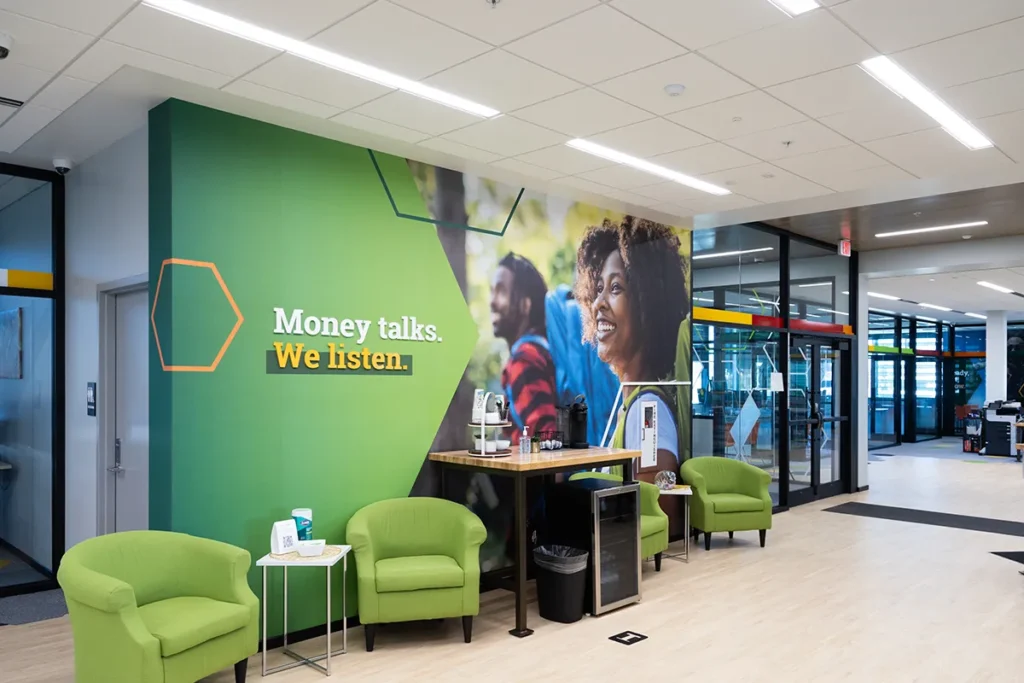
(6, 43)
(62, 166)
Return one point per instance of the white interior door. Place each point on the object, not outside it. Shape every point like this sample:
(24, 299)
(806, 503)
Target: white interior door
(131, 426)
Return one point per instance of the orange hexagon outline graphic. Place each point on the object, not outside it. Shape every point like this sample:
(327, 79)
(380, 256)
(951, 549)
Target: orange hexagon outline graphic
(227, 293)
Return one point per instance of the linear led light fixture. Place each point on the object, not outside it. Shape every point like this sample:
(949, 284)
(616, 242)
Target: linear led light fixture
(646, 166)
(979, 316)
(763, 301)
(998, 288)
(846, 293)
(721, 254)
(829, 310)
(700, 298)
(816, 284)
(882, 310)
(794, 7)
(332, 60)
(887, 297)
(893, 76)
(924, 317)
(936, 308)
(937, 228)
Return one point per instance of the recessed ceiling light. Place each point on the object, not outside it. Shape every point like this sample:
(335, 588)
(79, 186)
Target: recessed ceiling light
(936, 308)
(893, 76)
(720, 254)
(815, 284)
(931, 279)
(883, 296)
(317, 55)
(979, 316)
(795, 7)
(674, 89)
(998, 288)
(645, 166)
(965, 237)
(937, 228)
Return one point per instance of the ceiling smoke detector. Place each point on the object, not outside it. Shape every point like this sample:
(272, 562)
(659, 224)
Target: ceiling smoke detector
(674, 89)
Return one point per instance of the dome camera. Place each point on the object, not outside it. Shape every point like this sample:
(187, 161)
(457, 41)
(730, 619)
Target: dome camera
(6, 43)
(62, 166)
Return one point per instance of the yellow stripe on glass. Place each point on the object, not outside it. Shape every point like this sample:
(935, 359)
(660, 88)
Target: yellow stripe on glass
(26, 279)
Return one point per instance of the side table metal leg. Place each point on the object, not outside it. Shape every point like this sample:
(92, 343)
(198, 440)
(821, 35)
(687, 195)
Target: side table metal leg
(344, 604)
(686, 527)
(284, 635)
(328, 621)
(263, 599)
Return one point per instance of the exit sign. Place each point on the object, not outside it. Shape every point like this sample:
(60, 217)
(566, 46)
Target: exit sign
(845, 248)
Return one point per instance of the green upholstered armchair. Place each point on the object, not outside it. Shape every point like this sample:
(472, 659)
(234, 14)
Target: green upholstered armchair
(653, 520)
(728, 495)
(416, 558)
(158, 607)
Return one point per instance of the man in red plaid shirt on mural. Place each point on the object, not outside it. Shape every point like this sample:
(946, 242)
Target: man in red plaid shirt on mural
(517, 316)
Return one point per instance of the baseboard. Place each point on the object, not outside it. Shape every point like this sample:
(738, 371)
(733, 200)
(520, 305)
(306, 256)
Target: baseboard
(862, 489)
(275, 642)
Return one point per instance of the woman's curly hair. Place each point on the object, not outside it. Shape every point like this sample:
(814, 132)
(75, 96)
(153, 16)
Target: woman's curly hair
(656, 278)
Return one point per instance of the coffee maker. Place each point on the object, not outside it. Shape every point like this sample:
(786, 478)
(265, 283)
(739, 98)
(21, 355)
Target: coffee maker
(578, 423)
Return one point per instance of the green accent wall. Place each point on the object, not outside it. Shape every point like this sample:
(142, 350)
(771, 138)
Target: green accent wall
(290, 221)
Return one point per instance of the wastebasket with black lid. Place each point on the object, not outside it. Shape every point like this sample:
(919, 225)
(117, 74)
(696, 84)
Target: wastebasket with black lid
(561, 582)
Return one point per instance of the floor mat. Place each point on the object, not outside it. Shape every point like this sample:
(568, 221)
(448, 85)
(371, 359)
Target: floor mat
(986, 524)
(26, 609)
(1011, 555)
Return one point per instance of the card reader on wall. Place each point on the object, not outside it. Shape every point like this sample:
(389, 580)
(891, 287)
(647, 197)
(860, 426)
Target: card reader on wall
(649, 434)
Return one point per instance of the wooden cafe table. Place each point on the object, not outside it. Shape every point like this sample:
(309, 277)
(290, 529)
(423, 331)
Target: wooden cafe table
(520, 468)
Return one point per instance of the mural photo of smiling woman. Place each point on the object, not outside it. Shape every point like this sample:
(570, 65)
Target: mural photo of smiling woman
(631, 284)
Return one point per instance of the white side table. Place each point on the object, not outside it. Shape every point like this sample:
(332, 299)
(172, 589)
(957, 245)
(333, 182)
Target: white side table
(333, 554)
(686, 492)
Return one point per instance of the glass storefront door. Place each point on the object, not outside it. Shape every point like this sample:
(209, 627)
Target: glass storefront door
(816, 418)
(883, 408)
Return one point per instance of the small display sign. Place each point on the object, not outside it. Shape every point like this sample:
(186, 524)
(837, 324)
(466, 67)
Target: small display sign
(845, 247)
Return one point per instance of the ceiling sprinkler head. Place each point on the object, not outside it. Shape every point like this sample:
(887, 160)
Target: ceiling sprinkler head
(492, 3)
(674, 89)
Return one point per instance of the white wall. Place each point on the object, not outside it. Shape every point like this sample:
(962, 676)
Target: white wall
(107, 239)
(26, 404)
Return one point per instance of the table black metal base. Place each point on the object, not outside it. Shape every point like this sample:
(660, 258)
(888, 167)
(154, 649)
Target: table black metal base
(521, 632)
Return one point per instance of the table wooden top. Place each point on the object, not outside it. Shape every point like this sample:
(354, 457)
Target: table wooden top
(533, 462)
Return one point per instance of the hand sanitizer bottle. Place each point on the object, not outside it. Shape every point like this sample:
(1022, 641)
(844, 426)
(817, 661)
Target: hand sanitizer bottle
(524, 442)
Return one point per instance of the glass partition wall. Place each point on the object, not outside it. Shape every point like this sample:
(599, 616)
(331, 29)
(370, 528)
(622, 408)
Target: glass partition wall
(772, 358)
(31, 379)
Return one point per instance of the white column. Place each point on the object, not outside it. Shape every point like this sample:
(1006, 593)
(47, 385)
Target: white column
(995, 356)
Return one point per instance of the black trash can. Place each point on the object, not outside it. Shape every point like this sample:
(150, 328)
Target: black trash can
(561, 582)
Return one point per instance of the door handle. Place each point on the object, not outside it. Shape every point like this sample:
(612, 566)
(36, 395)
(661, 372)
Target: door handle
(116, 469)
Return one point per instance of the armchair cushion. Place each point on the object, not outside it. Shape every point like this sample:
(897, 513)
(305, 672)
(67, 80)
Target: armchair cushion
(735, 502)
(652, 524)
(183, 623)
(417, 573)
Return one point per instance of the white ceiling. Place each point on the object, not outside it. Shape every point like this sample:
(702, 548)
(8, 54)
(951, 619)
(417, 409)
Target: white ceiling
(755, 79)
(956, 290)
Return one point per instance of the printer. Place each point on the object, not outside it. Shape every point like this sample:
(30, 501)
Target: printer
(1000, 419)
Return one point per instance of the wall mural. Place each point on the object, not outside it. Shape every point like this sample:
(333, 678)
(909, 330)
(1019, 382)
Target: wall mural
(345, 306)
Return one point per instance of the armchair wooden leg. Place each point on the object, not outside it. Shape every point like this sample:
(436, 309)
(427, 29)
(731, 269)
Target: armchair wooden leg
(467, 628)
(657, 562)
(240, 669)
(707, 540)
(730, 535)
(763, 533)
(371, 632)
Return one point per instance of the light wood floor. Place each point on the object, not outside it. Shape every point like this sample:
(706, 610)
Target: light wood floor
(832, 598)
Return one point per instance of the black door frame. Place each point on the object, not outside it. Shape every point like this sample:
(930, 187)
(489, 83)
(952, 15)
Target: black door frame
(841, 424)
(57, 484)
